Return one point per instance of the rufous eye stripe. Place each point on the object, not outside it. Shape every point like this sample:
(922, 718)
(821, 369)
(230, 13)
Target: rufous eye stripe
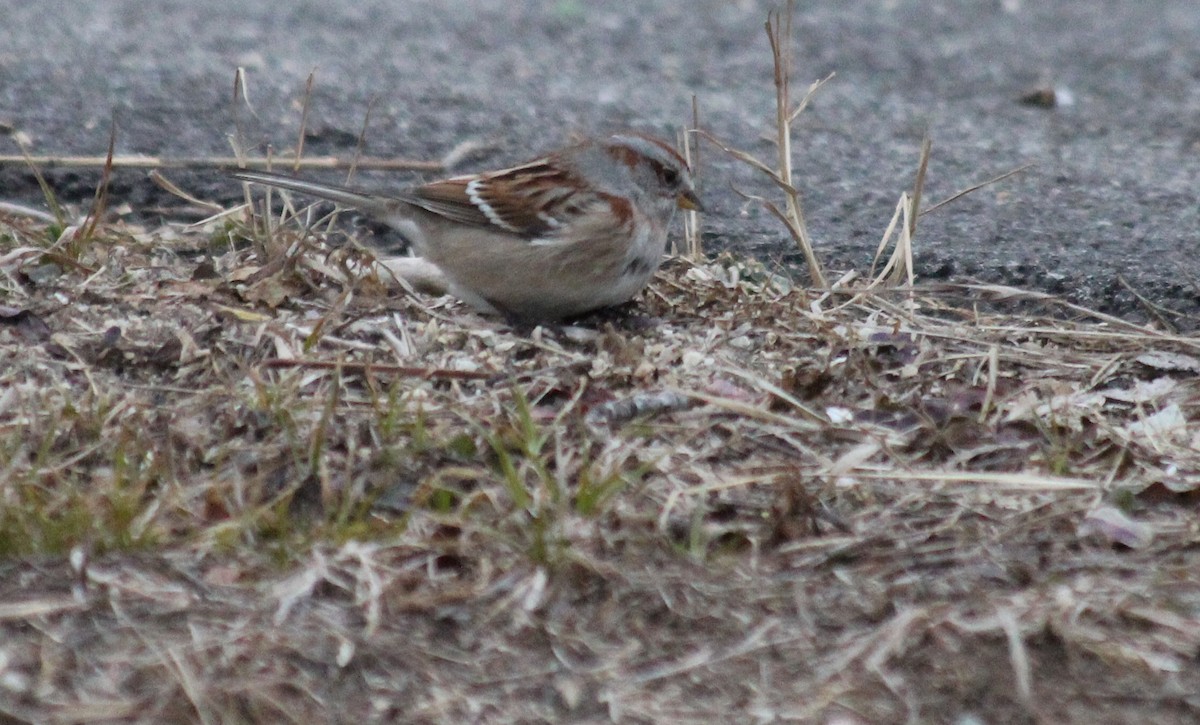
(625, 143)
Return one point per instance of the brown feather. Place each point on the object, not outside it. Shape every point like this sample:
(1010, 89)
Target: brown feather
(501, 199)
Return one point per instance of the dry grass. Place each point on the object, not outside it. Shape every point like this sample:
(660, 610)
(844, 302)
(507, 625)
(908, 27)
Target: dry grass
(243, 481)
(241, 484)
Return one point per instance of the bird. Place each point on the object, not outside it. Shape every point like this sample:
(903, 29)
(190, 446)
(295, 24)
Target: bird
(572, 231)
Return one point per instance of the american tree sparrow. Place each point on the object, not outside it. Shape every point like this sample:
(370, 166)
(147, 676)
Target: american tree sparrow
(575, 230)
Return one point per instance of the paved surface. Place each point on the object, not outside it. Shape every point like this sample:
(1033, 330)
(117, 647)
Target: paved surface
(1113, 194)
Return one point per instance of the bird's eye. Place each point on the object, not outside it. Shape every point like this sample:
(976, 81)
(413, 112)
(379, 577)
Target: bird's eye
(670, 176)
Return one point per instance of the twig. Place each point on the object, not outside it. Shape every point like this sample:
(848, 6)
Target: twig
(100, 202)
(362, 140)
(780, 35)
(170, 187)
(691, 218)
(919, 183)
(1157, 312)
(307, 102)
(352, 367)
(218, 162)
(970, 189)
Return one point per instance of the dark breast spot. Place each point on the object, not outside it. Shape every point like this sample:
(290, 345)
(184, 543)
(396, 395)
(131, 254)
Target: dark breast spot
(637, 267)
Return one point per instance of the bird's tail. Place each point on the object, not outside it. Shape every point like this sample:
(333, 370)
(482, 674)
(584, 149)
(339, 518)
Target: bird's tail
(339, 194)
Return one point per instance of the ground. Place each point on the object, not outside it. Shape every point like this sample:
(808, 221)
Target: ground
(246, 479)
(245, 484)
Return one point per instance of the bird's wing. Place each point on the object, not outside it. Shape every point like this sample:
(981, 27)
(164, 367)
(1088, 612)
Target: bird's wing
(533, 200)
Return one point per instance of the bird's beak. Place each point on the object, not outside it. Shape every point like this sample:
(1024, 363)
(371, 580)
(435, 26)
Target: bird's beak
(688, 199)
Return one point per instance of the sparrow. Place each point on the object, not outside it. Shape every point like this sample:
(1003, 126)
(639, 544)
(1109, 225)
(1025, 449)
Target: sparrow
(574, 230)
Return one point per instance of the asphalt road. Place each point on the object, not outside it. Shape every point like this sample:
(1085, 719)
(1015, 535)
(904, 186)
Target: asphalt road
(1110, 205)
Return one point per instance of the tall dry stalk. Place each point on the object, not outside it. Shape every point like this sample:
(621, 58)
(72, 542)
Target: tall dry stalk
(779, 34)
(779, 29)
